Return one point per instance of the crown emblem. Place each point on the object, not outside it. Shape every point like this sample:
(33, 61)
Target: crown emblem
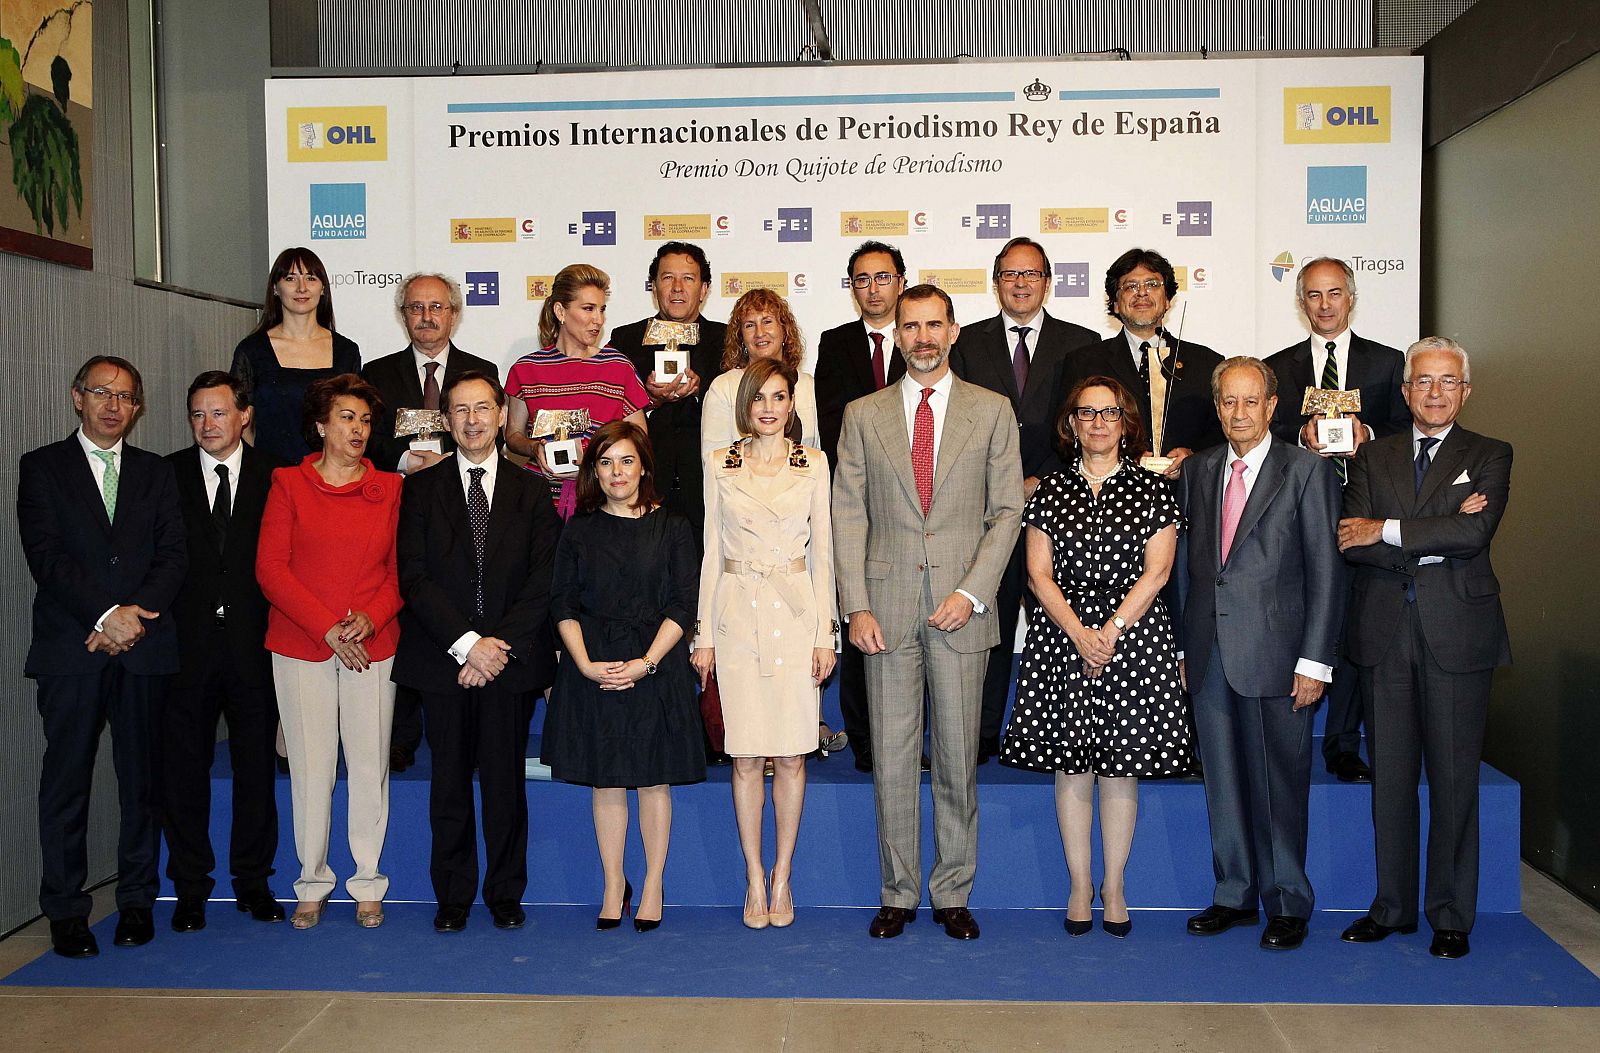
(1038, 91)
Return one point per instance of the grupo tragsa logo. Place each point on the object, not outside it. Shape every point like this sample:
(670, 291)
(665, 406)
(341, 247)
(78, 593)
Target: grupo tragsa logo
(1281, 265)
(1336, 194)
(482, 288)
(338, 211)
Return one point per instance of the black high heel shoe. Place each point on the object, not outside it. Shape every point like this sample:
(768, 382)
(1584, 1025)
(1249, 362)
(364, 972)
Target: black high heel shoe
(647, 925)
(603, 922)
(1119, 929)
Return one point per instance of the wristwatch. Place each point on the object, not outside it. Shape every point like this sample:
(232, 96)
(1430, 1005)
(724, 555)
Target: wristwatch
(649, 666)
(1117, 620)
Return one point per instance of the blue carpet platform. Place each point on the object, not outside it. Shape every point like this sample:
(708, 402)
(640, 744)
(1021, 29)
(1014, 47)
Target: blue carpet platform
(703, 950)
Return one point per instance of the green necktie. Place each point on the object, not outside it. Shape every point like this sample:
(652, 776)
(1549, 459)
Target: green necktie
(108, 484)
(1330, 380)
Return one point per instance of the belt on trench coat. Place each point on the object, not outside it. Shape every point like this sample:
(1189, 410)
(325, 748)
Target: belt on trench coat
(778, 576)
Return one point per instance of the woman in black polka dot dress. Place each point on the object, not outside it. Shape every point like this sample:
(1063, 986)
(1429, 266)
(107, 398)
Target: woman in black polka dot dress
(1098, 695)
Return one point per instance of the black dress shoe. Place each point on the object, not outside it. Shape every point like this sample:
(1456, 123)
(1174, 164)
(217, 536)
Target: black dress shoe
(1367, 930)
(400, 759)
(259, 904)
(1077, 928)
(958, 922)
(507, 914)
(283, 765)
(927, 765)
(864, 763)
(1215, 919)
(1349, 767)
(1449, 943)
(1283, 933)
(890, 922)
(988, 749)
(450, 918)
(135, 927)
(71, 938)
(189, 915)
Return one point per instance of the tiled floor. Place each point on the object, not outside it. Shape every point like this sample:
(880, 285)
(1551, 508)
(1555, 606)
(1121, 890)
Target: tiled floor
(132, 1021)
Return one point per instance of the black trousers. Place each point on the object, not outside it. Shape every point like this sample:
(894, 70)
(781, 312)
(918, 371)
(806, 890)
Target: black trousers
(1425, 718)
(406, 727)
(486, 727)
(1347, 711)
(997, 678)
(853, 697)
(75, 709)
(188, 744)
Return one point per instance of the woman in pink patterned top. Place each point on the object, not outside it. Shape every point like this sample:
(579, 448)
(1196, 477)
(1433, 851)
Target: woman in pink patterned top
(571, 371)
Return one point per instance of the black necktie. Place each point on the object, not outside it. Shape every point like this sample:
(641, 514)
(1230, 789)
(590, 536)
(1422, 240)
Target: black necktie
(478, 513)
(1019, 357)
(221, 506)
(1425, 447)
(430, 387)
(1144, 364)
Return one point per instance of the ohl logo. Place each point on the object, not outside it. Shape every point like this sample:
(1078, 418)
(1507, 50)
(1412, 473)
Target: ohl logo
(1337, 115)
(338, 133)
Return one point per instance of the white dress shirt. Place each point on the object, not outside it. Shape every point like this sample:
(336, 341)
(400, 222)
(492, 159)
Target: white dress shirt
(1030, 338)
(1391, 527)
(208, 474)
(98, 467)
(939, 402)
(491, 465)
(1155, 341)
(1252, 471)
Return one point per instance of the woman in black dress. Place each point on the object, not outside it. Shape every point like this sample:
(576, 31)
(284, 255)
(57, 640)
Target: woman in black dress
(623, 713)
(1098, 697)
(293, 347)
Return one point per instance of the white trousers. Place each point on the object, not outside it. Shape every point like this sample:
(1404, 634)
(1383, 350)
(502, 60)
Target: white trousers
(323, 704)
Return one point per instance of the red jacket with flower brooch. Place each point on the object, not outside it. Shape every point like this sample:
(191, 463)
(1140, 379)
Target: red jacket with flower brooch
(327, 550)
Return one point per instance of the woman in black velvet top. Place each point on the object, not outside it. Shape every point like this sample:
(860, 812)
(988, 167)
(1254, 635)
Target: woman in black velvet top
(293, 347)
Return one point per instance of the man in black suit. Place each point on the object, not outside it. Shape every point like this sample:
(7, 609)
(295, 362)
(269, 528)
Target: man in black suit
(1023, 354)
(477, 537)
(680, 281)
(856, 359)
(429, 306)
(103, 536)
(1175, 400)
(1427, 632)
(1335, 357)
(1261, 589)
(225, 669)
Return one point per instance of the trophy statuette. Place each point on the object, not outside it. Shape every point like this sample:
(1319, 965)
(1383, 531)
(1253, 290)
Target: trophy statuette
(671, 363)
(561, 453)
(425, 426)
(1334, 430)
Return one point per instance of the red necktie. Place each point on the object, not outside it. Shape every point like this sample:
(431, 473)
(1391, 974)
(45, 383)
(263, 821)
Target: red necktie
(1232, 506)
(922, 451)
(430, 387)
(878, 376)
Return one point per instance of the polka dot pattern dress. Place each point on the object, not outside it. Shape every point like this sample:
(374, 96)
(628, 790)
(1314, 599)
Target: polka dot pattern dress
(1130, 721)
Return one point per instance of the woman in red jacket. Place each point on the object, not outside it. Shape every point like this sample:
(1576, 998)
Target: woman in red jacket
(326, 562)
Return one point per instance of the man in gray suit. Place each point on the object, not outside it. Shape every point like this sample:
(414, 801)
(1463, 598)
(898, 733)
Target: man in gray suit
(1261, 589)
(1427, 632)
(927, 504)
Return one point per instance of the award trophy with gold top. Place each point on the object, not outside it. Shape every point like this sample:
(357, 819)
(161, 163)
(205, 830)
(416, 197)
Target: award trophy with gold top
(1334, 430)
(426, 427)
(671, 362)
(561, 453)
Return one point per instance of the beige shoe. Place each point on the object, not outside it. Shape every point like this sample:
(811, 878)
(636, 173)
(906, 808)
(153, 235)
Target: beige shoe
(781, 894)
(306, 915)
(755, 913)
(369, 914)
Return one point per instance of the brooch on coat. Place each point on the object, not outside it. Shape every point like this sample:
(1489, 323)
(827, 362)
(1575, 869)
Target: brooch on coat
(735, 457)
(797, 455)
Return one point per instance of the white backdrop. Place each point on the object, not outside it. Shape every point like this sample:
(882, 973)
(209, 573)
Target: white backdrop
(1236, 170)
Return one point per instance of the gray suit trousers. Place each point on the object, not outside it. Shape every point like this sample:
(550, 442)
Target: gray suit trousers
(954, 684)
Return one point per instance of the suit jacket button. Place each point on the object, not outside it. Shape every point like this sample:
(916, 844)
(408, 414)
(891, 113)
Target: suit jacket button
(113, 561)
(922, 566)
(1221, 582)
(928, 534)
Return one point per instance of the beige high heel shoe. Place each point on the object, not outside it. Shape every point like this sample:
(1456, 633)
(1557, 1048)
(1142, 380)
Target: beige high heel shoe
(306, 915)
(779, 918)
(369, 913)
(754, 917)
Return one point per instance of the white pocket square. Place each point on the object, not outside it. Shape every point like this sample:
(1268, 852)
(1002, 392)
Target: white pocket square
(1462, 478)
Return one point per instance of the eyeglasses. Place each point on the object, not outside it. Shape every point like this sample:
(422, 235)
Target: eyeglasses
(1027, 276)
(107, 395)
(1110, 414)
(415, 309)
(1148, 285)
(1444, 383)
(861, 281)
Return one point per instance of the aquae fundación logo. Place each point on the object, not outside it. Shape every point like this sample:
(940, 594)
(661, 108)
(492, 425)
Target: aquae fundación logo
(1336, 194)
(338, 211)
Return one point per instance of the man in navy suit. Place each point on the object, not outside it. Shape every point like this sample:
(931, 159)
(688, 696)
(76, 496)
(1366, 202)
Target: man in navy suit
(1335, 357)
(853, 360)
(104, 539)
(476, 541)
(1025, 355)
(1427, 632)
(1262, 593)
(225, 669)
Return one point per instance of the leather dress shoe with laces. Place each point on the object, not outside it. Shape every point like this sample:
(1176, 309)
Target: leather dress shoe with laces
(135, 927)
(71, 938)
(1349, 767)
(1218, 919)
(1449, 943)
(1283, 933)
(400, 759)
(890, 922)
(260, 905)
(189, 915)
(450, 918)
(958, 922)
(507, 914)
(988, 750)
(1369, 930)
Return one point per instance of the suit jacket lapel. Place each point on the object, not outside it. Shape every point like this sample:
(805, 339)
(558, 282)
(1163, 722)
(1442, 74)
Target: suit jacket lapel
(503, 511)
(79, 478)
(409, 379)
(1046, 353)
(1397, 466)
(955, 433)
(1274, 470)
(998, 349)
(890, 424)
(861, 361)
(1205, 509)
(1446, 463)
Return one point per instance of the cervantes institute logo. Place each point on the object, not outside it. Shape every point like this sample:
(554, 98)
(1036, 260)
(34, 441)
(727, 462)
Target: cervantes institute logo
(1336, 115)
(338, 133)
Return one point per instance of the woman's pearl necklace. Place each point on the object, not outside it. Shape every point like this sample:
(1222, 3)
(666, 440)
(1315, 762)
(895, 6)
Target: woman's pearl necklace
(1096, 480)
